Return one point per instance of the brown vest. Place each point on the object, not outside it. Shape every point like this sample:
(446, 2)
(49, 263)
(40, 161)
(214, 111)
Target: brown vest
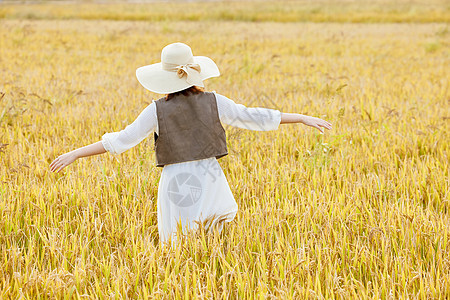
(189, 129)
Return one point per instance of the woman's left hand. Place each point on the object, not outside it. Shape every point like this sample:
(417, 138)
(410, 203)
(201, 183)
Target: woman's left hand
(63, 161)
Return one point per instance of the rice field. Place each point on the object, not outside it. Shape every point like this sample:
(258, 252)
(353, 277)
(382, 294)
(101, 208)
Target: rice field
(360, 212)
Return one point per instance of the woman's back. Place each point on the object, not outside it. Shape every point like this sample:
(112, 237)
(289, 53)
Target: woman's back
(230, 113)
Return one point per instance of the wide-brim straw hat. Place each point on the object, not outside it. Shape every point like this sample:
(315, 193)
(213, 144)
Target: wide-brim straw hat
(178, 70)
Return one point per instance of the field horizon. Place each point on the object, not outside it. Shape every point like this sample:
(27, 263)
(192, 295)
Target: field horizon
(382, 11)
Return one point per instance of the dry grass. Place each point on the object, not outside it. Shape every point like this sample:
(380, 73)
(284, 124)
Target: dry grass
(360, 11)
(361, 212)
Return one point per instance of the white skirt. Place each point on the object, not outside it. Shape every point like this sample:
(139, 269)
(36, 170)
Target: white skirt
(193, 191)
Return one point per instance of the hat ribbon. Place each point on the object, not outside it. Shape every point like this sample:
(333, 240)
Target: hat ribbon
(190, 70)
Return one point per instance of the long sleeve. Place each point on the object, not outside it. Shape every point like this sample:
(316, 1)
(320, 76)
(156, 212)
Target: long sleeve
(133, 134)
(252, 118)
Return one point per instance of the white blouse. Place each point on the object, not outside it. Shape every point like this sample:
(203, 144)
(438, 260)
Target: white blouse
(194, 190)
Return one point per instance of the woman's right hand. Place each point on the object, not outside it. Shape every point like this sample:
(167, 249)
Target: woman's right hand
(63, 161)
(316, 123)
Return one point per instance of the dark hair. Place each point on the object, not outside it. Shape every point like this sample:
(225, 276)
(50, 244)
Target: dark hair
(190, 90)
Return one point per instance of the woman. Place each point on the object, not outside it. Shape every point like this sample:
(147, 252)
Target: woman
(189, 138)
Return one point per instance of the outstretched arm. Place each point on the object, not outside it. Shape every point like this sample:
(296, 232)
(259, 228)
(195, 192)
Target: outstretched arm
(66, 159)
(261, 119)
(113, 142)
(307, 120)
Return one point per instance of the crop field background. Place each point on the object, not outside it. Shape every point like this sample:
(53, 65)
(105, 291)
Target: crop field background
(359, 212)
